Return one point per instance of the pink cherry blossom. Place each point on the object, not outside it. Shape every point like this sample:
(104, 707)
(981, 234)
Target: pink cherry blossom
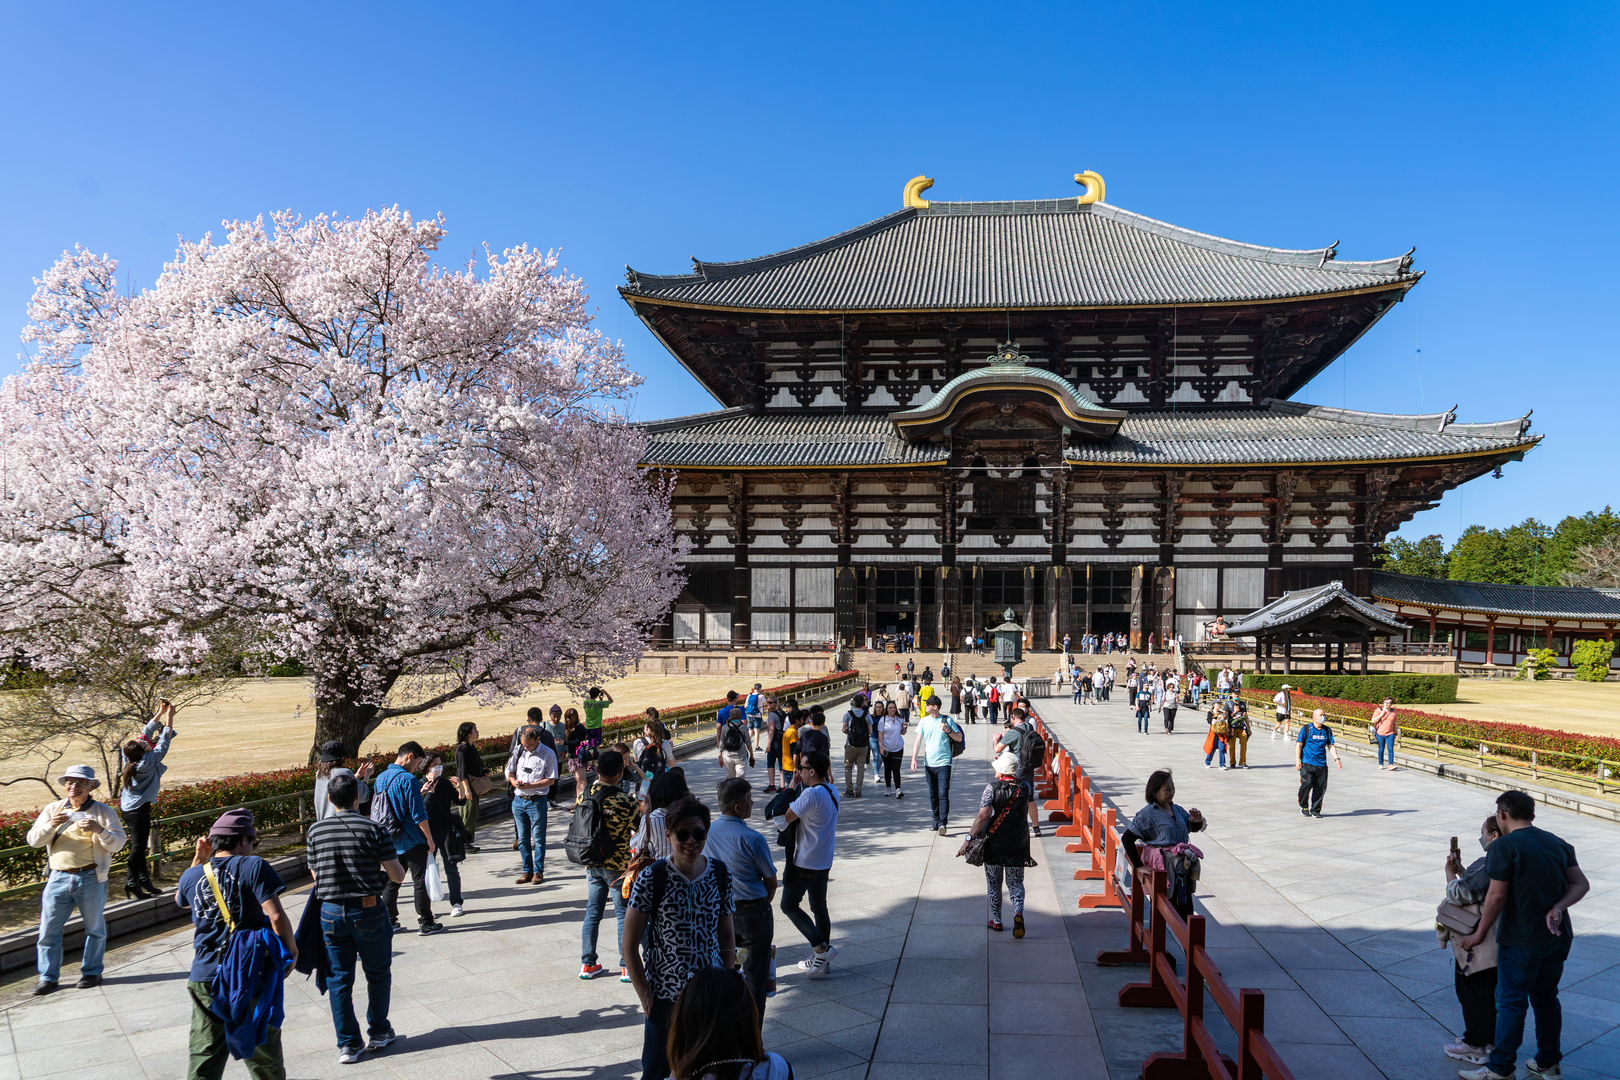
(408, 476)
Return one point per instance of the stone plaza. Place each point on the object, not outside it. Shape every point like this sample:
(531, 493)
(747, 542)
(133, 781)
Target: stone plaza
(1332, 918)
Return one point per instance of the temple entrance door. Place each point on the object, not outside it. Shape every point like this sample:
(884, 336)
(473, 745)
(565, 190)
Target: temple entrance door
(890, 623)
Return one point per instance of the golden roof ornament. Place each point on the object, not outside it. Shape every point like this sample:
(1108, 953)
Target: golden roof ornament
(913, 199)
(1093, 184)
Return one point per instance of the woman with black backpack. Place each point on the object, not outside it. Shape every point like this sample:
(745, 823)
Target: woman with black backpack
(1005, 841)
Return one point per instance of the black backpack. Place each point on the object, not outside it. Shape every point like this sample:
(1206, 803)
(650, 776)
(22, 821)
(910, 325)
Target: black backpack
(731, 739)
(860, 731)
(589, 841)
(382, 812)
(1031, 748)
(652, 758)
(957, 748)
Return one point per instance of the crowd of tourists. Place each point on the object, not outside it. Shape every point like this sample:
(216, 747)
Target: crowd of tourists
(693, 890)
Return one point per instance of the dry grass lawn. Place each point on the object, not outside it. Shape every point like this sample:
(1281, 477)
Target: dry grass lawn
(269, 724)
(1562, 704)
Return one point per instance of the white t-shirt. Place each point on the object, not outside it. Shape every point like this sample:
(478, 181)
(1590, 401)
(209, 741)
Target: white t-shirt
(891, 734)
(1281, 701)
(817, 811)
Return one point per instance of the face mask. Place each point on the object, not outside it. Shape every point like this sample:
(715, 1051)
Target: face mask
(1484, 844)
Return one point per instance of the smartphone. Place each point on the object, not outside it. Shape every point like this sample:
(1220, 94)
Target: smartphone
(1455, 850)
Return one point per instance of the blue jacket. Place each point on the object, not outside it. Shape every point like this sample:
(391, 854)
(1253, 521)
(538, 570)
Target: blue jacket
(246, 990)
(143, 786)
(404, 792)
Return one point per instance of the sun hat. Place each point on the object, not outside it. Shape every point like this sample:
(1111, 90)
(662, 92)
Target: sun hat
(1006, 763)
(1285, 686)
(234, 823)
(79, 772)
(333, 751)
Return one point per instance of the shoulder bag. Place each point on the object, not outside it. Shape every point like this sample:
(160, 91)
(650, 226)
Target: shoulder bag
(972, 848)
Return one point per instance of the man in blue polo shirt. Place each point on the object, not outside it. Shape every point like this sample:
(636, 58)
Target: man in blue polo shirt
(402, 787)
(1310, 758)
(753, 883)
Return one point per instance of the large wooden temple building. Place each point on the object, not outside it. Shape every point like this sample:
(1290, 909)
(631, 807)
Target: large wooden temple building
(1055, 405)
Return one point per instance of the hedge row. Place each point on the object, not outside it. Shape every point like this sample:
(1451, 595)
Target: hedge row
(29, 866)
(1406, 688)
(1467, 735)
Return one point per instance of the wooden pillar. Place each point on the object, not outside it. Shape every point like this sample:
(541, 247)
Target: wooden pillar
(1547, 644)
(1490, 641)
(1433, 615)
(1288, 656)
(1365, 648)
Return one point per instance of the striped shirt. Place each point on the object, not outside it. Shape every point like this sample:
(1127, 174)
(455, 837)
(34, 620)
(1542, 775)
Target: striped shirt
(346, 852)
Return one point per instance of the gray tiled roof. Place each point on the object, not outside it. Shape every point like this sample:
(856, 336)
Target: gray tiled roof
(1297, 609)
(1278, 432)
(736, 438)
(1537, 601)
(1050, 253)
(1286, 431)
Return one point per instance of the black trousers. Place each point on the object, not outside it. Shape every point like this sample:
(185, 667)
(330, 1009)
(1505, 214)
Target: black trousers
(755, 928)
(1312, 786)
(1477, 995)
(891, 769)
(139, 823)
(415, 861)
(814, 882)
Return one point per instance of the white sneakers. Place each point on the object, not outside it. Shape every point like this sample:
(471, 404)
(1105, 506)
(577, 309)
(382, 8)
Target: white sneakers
(820, 963)
(455, 909)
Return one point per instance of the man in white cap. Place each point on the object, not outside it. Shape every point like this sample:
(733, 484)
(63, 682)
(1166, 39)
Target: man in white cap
(79, 836)
(1285, 708)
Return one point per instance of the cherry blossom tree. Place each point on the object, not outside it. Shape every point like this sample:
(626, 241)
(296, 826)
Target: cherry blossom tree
(311, 438)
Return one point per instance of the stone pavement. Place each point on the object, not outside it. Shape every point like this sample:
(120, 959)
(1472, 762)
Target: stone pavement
(1332, 918)
(1328, 917)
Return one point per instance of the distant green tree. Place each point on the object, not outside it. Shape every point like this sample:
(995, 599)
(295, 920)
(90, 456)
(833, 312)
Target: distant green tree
(1423, 558)
(1510, 556)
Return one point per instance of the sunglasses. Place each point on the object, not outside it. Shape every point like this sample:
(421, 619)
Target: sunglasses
(691, 836)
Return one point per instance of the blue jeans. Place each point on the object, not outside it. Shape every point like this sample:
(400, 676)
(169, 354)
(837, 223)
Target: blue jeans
(64, 891)
(598, 884)
(529, 818)
(1142, 714)
(939, 793)
(1198, 695)
(352, 931)
(1386, 742)
(1220, 748)
(1529, 975)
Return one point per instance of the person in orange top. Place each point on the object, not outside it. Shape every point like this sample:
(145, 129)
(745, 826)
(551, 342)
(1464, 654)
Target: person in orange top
(1385, 728)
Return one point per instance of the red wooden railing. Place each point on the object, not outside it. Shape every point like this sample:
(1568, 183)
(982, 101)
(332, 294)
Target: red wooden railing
(1245, 1010)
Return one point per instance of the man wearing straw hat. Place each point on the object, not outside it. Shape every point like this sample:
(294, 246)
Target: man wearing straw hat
(79, 836)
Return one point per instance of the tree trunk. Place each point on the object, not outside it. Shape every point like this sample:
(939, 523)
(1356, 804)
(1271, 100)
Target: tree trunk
(343, 720)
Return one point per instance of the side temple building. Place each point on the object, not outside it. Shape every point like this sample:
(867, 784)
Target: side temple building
(1055, 405)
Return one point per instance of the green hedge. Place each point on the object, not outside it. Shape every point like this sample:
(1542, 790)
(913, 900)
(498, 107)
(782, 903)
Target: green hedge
(1406, 688)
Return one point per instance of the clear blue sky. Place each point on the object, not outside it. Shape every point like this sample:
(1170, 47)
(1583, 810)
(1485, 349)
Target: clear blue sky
(645, 134)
